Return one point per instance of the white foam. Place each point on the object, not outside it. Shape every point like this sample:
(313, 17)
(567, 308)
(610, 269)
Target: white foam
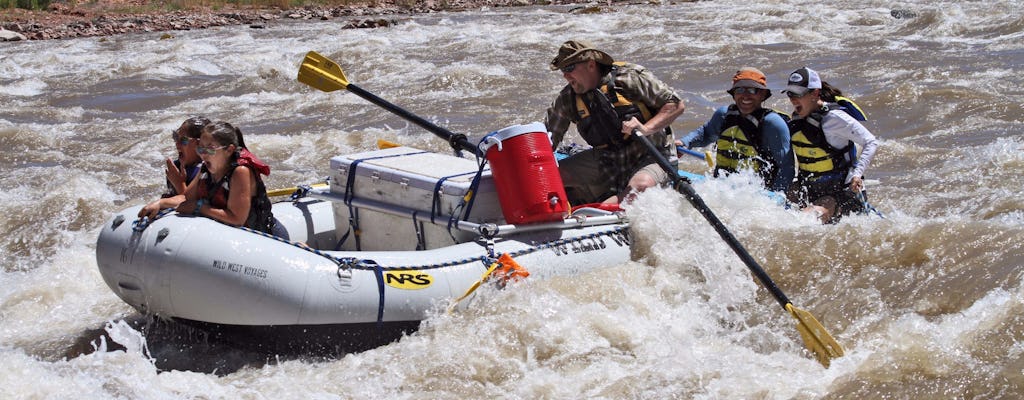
(23, 88)
(685, 320)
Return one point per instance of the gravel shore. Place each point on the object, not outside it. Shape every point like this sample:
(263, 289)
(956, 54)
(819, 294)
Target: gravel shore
(65, 20)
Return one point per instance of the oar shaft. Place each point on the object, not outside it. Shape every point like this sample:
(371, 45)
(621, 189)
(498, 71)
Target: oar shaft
(689, 152)
(691, 195)
(457, 140)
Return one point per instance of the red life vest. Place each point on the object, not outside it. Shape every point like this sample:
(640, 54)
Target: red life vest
(217, 193)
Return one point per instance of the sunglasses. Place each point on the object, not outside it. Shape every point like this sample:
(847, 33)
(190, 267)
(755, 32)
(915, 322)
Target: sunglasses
(797, 96)
(208, 150)
(569, 68)
(744, 90)
(183, 140)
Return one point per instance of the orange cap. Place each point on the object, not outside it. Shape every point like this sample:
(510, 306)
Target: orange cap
(750, 77)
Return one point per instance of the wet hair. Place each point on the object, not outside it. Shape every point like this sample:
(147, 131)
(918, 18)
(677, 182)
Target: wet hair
(829, 92)
(193, 126)
(224, 134)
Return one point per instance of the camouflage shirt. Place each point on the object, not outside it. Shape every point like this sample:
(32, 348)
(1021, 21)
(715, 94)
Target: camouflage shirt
(632, 81)
(637, 84)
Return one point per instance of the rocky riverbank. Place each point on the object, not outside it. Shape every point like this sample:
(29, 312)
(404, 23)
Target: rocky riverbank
(65, 20)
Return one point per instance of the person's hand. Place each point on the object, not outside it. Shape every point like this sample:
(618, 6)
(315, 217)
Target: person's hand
(175, 176)
(150, 210)
(632, 125)
(857, 184)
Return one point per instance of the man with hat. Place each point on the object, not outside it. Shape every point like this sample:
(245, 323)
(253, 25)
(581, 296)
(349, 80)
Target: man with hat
(748, 136)
(608, 101)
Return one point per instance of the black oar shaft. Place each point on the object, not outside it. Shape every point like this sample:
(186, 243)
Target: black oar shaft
(691, 195)
(456, 140)
(738, 248)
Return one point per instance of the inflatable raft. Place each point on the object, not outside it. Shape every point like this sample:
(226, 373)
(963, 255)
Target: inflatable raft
(397, 233)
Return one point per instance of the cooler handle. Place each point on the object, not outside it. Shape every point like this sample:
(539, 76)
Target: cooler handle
(490, 140)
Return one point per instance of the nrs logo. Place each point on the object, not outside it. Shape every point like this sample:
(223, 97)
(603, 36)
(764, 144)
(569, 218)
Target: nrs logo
(408, 280)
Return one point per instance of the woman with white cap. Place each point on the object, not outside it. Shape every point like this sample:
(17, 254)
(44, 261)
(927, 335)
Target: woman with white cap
(747, 135)
(825, 138)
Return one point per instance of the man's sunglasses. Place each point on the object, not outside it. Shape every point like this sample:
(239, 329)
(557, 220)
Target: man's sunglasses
(569, 68)
(744, 90)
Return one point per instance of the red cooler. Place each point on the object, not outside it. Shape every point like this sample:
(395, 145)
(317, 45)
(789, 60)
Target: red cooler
(525, 174)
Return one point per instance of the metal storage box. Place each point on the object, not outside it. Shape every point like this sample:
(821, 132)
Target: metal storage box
(406, 180)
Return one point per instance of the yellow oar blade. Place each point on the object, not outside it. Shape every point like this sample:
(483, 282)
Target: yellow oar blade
(815, 337)
(472, 288)
(386, 144)
(322, 73)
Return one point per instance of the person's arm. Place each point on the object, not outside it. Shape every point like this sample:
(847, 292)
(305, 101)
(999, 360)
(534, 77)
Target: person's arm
(707, 133)
(775, 137)
(639, 84)
(153, 208)
(188, 204)
(869, 145)
(175, 176)
(668, 113)
(558, 117)
(843, 128)
(243, 183)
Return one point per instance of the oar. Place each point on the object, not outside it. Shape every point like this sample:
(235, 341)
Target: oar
(324, 74)
(290, 190)
(815, 337)
(386, 144)
(381, 144)
(706, 156)
(862, 197)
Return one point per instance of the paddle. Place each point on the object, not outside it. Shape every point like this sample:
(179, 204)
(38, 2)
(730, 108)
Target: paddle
(381, 144)
(862, 197)
(324, 74)
(289, 190)
(815, 337)
(706, 156)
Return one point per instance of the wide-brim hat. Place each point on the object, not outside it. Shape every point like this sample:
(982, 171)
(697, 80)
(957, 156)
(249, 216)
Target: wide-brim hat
(749, 77)
(575, 51)
(802, 81)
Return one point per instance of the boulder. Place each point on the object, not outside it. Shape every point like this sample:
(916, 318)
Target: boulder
(900, 14)
(10, 36)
